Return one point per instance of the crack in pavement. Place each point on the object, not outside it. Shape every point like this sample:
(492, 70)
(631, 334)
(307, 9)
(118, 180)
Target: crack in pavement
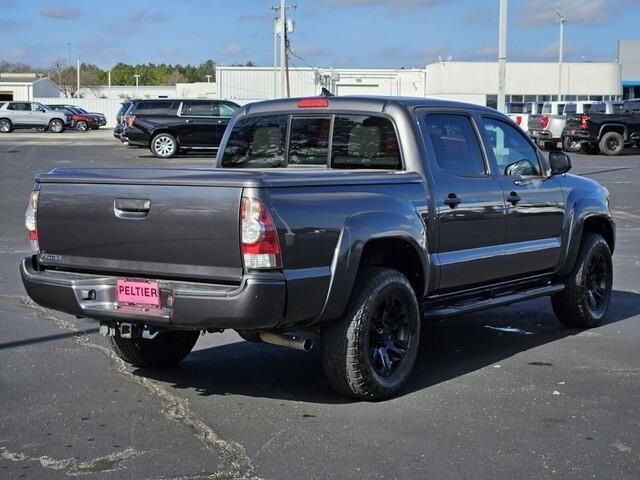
(236, 464)
(72, 466)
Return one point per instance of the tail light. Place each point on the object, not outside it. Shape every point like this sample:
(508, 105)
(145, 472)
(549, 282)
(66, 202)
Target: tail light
(583, 121)
(130, 120)
(259, 238)
(30, 221)
(544, 122)
(518, 119)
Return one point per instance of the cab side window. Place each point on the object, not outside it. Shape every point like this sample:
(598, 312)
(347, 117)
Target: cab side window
(455, 144)
(513, 153)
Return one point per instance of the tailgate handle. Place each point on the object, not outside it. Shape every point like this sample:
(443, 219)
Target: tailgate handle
(131, 208)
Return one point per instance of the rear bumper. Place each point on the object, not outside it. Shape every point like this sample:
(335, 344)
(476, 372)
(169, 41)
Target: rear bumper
(541, 134)
(137, 137)
(578, 134)
(258, 303)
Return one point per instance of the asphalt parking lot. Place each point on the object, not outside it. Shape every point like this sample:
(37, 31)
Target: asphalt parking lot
(503, 394)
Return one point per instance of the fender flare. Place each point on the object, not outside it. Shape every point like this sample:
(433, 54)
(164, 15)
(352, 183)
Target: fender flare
(356, 233)
(579, 213)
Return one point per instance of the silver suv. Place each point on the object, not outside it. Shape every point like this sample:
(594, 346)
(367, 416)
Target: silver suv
(30, 115)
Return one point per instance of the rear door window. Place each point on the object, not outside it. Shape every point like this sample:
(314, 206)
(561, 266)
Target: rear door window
(20, 106)
(199, 109)
(455, 144)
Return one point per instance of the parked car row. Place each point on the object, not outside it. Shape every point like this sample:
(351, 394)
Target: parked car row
(168, 126)
(54, 118)
(605, 127)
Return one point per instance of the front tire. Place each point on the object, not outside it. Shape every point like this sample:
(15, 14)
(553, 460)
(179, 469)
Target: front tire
(612, 143)
(164, 145)
(166, 349)
(82, 126)
(56, 126)
(370, 352)
(6, 126)
(585, 300)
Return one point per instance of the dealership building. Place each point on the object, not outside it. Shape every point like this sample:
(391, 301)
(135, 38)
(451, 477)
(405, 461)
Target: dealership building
(473, 82)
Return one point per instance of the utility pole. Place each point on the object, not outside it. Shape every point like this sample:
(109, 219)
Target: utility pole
(276, 32)
(502, 55)
(560, 52)
(280, 28)
(137, 76)
(78, 78)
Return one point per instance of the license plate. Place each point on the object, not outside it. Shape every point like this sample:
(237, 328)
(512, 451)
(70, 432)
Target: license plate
(138, 292)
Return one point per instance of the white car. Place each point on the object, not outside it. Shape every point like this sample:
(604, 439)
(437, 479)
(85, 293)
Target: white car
(30, 115)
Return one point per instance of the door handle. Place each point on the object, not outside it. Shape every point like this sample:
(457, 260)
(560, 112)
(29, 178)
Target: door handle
(513, 198)
(131, 208)
(452, 200)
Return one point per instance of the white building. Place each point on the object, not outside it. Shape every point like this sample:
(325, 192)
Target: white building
(26, 86)
(477, 82)
(248, 84)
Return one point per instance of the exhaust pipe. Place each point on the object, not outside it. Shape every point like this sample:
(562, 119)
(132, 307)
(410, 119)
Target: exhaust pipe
(297, 343)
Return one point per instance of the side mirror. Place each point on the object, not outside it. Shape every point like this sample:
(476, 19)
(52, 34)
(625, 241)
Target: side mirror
(42, 109)
(560, 163)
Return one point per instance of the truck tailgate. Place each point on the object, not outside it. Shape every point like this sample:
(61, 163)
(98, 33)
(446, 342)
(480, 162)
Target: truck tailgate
(186, 231)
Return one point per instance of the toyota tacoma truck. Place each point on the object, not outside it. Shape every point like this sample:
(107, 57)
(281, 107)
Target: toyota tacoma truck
(343, 220)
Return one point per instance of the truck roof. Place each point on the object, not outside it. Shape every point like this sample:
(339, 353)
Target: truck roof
(356, 103)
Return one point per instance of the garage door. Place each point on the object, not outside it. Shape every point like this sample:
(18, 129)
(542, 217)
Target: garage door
(4, 96)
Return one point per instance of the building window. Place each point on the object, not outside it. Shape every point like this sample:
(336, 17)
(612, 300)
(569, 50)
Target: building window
(492, 101)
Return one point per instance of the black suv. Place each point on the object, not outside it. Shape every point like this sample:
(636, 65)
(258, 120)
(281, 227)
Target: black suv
(168, 126)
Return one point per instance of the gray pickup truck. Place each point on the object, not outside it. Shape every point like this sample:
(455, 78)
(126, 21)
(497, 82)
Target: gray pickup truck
(340, 219)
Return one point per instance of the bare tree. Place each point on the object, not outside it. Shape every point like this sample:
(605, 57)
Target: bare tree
(65, 77)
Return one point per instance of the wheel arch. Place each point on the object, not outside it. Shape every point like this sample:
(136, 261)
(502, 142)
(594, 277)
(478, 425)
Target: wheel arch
(613, 127)
(596, 222)
(387, 239)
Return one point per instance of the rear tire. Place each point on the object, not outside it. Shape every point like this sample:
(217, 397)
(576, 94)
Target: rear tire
(164, 145)
(370, 352)
(5, 125)
(571, 145)
(585, 300)
(612, 143)
(165, 350)
(56, 126)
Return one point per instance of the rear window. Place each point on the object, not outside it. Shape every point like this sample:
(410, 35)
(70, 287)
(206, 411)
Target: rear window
(617, 107)
(571, 108)
(516, 108)
(342, 141)
(152, 108)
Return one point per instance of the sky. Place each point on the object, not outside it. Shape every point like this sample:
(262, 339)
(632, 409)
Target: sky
(328, 33)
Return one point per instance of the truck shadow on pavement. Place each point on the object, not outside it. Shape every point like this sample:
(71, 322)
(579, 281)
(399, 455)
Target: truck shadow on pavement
(449, 349)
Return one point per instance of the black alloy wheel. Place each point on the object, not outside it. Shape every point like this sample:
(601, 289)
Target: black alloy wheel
(585, 300)
(389, 335)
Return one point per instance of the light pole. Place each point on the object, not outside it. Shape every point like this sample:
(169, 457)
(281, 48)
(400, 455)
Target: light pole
(560, 52)
(502, 55)
(137, 81)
